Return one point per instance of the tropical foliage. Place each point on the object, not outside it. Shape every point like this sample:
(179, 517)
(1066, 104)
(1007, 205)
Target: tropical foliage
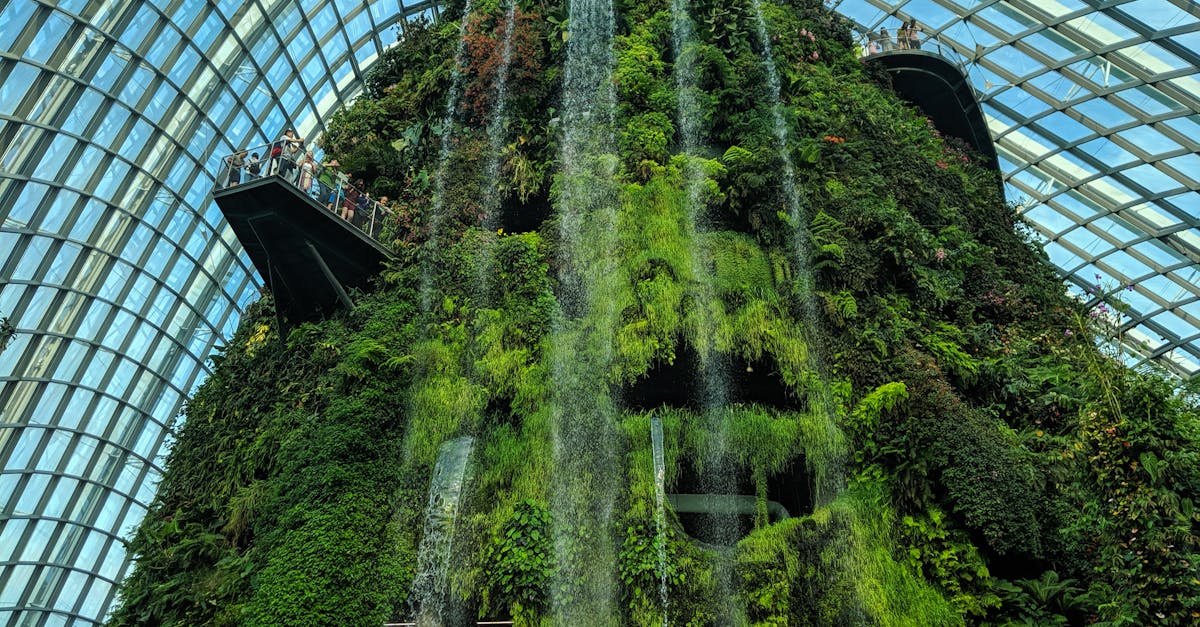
(969, 446)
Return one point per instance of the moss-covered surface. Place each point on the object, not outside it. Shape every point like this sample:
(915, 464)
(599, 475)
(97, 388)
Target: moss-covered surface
(987, 461)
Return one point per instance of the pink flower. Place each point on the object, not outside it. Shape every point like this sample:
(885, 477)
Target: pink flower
(940, 255)
(942, 164)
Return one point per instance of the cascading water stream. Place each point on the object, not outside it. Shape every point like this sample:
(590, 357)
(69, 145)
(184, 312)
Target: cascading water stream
(719, 479)
(429, 588)
(498, 121)
(496, 132)
(714, 381)
(779, 125)
(437, 211)
(660, 510)
(583, 416)
(827, 472)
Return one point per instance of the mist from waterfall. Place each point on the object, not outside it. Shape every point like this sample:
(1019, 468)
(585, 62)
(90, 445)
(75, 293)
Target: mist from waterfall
(828, 473)
(660, 512)
(719, 477)
(497, 134)
(586, 478)
(428, 289)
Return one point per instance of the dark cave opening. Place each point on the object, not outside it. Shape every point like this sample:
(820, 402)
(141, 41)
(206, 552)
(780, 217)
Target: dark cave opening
(721, 510)
(499, 411)
(520, 217)
(759, 382)
(679, 384)
(668, 385)
(792, 489)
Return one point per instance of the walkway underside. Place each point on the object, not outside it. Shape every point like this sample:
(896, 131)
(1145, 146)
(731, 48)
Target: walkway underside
(310, 257)
(942, 93)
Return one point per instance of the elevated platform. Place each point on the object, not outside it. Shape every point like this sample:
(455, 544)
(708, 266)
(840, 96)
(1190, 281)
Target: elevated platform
(309, 256)
(939, 88)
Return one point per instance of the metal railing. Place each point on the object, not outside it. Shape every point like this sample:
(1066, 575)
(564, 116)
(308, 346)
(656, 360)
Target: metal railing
(875, 43)
(324, 183)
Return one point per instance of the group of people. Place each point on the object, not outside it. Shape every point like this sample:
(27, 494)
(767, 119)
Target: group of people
(908, 37)
(351, 201)
(288, 158)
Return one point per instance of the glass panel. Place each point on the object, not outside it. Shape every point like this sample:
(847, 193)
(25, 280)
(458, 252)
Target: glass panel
(64, 491)
(1151, 101)
(1101, 28)
(1152, 178)
(96, 597)
(1188, 165)
(31, 495)
(1106, 152)
(1149, 140)
(1158, 14)
(1053, 45)
(52, 33)
(72, 416)
(17, 12)
(1065, 127)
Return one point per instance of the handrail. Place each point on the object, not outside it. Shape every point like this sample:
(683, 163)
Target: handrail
(873, 44)
(929, 43)
(299, 169)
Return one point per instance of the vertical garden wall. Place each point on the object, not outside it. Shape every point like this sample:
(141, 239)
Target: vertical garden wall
(713, 214)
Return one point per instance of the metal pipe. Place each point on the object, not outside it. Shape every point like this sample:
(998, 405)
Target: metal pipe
(337, 286)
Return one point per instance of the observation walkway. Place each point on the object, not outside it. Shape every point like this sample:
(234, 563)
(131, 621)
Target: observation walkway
(931, 76)
(310, 256)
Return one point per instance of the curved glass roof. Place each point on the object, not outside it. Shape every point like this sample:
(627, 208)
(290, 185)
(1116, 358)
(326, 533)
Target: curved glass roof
(117, 269)
(1094, 106)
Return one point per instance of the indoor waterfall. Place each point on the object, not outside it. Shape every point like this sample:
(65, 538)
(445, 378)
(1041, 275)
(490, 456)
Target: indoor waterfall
(586, 477)
(497, 134)
(446, 134)
(431, 601)
(660, 511)
(827, 469)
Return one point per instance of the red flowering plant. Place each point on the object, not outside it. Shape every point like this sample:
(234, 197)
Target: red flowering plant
(484, 59)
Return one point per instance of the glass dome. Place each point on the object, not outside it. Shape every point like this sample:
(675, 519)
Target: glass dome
(1095, 111)
(118, 272)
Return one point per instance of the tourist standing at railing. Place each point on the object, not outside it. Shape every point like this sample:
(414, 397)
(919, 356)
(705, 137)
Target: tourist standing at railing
(338, 181)
(276, 156)
(914, 36)
(293, 148)
(873, 45)
(364, 210)
(308, 172)
(253, 167)
(378, 214)
(886, 40)
(324, 182)
(235, 162)
(350, 200)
